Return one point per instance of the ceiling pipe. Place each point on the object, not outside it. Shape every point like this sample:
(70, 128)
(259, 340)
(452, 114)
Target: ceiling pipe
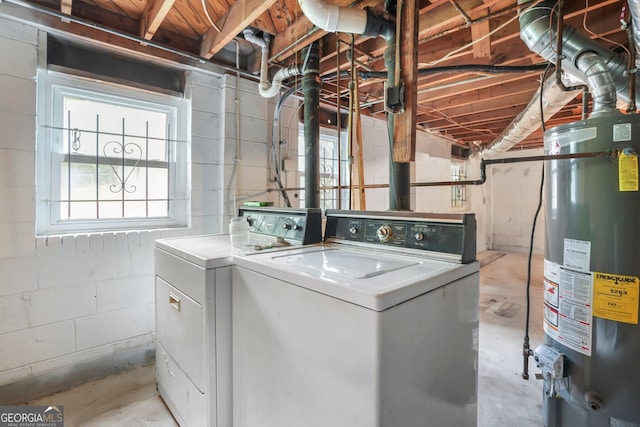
(554, 98)
(266, 89)
(333, 18)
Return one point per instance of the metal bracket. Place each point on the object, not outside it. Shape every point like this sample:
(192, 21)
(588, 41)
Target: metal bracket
(394, 99)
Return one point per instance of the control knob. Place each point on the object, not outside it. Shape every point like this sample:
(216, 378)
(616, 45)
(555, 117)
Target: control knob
(384, 233)
(353, 229)
(286, 226)
(419, 236)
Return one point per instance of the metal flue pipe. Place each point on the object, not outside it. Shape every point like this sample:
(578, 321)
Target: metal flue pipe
(584, 60)
(311, 89)
(333, 18)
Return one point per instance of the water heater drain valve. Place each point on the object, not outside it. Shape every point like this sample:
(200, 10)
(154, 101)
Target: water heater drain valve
(551, 363)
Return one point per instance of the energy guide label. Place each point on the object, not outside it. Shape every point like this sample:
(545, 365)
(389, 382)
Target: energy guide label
(568, 306)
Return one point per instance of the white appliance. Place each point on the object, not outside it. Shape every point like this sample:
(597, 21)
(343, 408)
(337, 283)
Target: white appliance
(377, 327)
(193, 328)
(193, 311)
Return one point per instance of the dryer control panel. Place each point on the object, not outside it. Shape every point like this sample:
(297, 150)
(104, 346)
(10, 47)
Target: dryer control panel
(449, 235)
(304, 226)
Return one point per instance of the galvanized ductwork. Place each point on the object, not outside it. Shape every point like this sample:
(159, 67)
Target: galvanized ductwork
(604, 71)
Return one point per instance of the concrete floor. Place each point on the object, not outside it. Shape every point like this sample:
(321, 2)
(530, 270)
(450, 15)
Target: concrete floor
(505, 399)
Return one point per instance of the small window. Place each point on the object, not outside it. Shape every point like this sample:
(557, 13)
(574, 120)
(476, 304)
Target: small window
(109, 157)
(330, 163)
(458, 192)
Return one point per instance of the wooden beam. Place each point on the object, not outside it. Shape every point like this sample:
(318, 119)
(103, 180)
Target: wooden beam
(481, 46)
(65, 6)
(404, 132)
(153, 15)
(240, 16)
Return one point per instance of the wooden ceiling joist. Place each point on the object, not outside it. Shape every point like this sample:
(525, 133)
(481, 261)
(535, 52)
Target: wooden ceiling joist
(154, 13)
(239, 17)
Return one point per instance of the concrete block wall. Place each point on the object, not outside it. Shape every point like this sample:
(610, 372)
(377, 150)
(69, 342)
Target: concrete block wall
(247, 145)
(514, 198)
(433, 163)
(70, 300)
(375, 150)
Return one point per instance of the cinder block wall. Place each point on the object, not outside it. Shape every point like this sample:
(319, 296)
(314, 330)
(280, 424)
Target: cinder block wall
(514, 198)
(85, 303)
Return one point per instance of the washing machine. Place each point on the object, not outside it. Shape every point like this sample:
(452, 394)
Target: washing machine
(377, 326)
(193, 310)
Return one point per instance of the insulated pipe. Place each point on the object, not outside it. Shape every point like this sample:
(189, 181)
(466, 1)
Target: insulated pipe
(554, 97)
(266, 89)
(311, 90)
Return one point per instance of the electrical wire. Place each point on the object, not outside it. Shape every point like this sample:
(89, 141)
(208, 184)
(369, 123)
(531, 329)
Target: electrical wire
(452, 121)
(206, 13)
(525, 344)
(613, 42)
(468, 45)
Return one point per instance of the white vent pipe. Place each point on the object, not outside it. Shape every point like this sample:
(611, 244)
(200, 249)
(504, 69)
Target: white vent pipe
(266, 89)
(332, 18)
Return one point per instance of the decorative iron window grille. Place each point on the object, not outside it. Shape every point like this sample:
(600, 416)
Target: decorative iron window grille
(111, 175)
(458, 192)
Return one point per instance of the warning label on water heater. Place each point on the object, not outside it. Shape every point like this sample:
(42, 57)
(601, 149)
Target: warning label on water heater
(567, 306)
(615, 297)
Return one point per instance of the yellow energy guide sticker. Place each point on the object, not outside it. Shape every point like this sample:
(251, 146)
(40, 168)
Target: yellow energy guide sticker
(628, 171)
(615, 297)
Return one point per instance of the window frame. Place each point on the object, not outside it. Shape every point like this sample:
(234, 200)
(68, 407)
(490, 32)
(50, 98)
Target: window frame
(52, 86)
(328, 135)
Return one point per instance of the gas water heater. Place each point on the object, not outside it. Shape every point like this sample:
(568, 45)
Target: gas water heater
(591, 357)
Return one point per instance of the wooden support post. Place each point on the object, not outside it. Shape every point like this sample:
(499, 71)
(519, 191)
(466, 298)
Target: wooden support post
(404, 132)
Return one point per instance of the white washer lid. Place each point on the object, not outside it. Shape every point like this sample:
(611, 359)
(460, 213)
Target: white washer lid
(335, 265)
(370, 278)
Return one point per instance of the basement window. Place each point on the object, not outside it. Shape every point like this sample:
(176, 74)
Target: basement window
(109, 156)
(329, 162)
(458, 192)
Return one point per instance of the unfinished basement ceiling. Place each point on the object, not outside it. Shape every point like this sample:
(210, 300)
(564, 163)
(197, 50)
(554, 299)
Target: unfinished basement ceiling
(466, 107)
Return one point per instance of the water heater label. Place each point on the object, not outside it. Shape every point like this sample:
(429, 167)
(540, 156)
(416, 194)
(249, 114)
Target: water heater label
(577, 254)
(622, 132)
(615, 297)
(567, 306)
(628, 172)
